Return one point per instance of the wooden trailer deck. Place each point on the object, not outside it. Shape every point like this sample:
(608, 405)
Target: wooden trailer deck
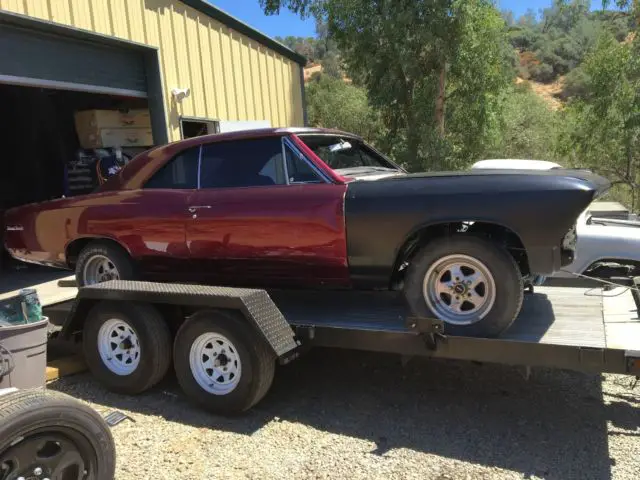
(581, 317)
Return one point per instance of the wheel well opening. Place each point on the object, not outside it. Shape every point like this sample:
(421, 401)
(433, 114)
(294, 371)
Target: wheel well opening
(497, 233)
(74, 248)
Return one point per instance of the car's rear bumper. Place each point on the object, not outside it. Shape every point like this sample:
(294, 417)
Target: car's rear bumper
(46, 259)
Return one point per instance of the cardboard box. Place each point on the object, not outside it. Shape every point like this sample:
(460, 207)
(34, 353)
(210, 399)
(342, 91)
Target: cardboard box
(104, 128)
(119, 137)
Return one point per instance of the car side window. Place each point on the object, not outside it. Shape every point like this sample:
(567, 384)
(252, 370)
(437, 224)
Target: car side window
(181, 172)
(242, 163)
(298, 170)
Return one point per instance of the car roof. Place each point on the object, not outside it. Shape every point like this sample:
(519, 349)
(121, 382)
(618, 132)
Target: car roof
(259, 133)
(150, 160)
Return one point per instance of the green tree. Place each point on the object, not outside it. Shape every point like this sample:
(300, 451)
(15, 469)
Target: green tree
(434, 69)
(527, 127)
(332, 103)
(559, 42)
(602, 126)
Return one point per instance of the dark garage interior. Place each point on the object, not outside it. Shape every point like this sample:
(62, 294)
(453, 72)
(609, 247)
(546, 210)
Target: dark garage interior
(41, 145)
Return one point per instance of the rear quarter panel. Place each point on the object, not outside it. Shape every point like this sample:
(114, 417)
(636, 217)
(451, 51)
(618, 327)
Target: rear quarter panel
(123, 217)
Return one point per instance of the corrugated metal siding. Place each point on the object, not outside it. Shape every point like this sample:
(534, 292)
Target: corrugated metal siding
(231, 76)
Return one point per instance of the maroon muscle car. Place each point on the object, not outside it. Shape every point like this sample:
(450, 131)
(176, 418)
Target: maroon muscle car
(315, 208)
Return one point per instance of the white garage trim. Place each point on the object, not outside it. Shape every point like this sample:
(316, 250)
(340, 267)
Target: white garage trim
(80, 87)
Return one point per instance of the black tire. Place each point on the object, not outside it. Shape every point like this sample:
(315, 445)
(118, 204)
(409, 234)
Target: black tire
(116, 255)
(32, 420)
(154, 340)
(501, 265)
(256, 358)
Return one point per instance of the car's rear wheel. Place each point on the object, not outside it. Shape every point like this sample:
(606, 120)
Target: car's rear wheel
(473, 285)
(101, 261)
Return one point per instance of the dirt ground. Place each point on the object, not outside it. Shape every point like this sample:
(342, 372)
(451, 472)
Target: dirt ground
(340, 414)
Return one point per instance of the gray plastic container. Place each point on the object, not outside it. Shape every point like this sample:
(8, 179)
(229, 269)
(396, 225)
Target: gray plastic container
(27, 347)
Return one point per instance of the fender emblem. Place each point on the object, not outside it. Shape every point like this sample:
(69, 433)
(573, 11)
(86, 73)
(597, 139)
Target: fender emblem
(14, 228)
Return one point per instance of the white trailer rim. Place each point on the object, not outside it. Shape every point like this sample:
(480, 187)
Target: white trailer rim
(215, 363)
(119, 347)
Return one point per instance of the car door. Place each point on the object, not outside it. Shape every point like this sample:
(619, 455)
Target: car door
(254, 225)
(157, 215)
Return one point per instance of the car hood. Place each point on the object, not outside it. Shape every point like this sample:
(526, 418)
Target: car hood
(507, 178)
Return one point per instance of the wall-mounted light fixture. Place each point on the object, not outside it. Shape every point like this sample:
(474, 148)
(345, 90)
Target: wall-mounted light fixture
(180, 94)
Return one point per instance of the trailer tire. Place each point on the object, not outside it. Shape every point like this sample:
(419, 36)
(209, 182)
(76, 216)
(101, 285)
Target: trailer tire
(103, 255)
(137, 325)
(483, 310)
(39, 429)
(243, 350)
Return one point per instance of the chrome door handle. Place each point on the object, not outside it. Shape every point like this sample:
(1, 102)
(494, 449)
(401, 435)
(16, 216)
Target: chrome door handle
(197, 207)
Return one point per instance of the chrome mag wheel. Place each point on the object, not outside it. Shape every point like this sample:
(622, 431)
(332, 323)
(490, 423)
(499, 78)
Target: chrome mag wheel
(459, 289)
(99, 269)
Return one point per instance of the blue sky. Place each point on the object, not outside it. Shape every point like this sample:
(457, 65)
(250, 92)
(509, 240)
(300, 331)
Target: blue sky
(286, 23)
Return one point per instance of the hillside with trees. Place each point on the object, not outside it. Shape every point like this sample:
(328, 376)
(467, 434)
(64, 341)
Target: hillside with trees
(440, 84)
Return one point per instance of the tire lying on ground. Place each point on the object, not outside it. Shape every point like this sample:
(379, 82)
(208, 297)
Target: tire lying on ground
(101, 261)
(222, 363)
(470, 283)
(127, 345)
(45, 434)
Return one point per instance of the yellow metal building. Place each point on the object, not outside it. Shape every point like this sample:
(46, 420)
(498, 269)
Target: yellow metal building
(155, 50)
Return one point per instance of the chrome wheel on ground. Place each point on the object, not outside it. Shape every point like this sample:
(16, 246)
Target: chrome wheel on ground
(459, 289)
(215, 363)
(119, 347)
(99, 269)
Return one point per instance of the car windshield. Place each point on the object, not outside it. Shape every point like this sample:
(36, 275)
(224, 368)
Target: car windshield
(345, 154)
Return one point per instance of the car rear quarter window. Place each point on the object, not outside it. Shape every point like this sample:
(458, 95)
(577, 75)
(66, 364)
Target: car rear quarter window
(181, 172)
(242, 163)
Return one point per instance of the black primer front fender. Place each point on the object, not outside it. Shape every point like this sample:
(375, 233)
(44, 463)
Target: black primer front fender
(539, 207)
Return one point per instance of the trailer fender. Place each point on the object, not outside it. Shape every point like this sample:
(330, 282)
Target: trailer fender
(255, 306)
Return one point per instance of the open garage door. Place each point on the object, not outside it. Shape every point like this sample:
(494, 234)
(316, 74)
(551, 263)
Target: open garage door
(39, 59)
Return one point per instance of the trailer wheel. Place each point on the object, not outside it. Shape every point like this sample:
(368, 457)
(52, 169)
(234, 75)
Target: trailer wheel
(45, 434)
(472, 284)
(127, 346)
(222, 363)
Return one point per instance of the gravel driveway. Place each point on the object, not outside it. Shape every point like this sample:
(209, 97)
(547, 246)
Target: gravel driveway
(341, 414)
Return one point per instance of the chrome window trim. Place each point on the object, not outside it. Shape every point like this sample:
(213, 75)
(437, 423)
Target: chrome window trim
(301, 156)
(284, 161)
(199, 165)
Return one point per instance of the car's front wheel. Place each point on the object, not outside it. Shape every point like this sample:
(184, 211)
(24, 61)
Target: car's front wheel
(472, 284)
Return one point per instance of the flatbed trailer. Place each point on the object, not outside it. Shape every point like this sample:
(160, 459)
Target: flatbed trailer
(584, 329)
